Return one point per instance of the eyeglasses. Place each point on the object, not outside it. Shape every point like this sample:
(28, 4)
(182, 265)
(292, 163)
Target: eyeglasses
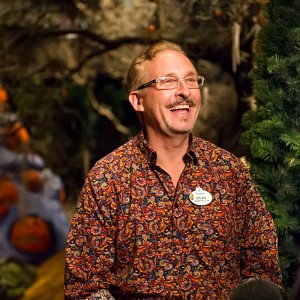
(172, 82)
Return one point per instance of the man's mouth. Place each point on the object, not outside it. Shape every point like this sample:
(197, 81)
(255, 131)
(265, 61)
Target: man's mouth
(180, 107)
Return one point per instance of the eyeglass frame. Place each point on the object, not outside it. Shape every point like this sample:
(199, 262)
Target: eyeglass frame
(156, 80)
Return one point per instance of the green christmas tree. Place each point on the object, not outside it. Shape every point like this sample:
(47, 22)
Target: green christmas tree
(272, 129)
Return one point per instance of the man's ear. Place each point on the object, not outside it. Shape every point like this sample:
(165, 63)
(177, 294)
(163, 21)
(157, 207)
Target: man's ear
(136, 100)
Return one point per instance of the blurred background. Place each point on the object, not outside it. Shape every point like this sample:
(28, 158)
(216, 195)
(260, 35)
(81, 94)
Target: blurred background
(63, 105)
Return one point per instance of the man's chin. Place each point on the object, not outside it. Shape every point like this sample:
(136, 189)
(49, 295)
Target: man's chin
(180, 131)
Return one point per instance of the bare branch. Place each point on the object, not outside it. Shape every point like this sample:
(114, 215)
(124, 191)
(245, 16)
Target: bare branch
(106, 111)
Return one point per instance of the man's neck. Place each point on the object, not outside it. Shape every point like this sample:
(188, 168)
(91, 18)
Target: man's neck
(173, 145)
(170, 152)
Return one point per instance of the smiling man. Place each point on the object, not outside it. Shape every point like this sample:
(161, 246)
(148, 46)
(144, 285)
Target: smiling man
(168, 215)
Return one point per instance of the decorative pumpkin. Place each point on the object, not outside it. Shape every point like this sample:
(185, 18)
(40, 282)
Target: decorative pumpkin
(9, 195)
(31, 235)
(3, 99)
(16, 137)
(32, 180)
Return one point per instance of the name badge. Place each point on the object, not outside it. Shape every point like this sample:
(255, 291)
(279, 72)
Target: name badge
(200, 197)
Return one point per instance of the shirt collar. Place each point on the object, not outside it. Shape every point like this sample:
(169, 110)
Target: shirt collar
(192, 149)
(151, 155)
(145, 148)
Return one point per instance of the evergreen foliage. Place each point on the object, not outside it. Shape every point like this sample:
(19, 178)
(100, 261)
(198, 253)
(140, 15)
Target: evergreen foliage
(272, 129)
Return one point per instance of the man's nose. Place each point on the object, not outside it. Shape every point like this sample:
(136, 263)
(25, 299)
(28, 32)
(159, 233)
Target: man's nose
(182, 88)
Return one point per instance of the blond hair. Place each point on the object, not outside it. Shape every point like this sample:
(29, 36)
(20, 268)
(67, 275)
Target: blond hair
(134, 75)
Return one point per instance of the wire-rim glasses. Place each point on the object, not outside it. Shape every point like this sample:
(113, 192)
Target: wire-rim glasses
(172, 82)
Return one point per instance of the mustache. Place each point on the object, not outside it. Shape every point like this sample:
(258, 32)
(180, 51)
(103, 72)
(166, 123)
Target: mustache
(188, 101)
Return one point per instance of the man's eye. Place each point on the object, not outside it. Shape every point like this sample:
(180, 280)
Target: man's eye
(191, 79)
(168, 81)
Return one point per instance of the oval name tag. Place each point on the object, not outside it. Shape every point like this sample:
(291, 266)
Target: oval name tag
(200, 197)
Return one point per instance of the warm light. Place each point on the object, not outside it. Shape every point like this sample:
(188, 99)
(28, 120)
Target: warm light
(218, 12)
(3, 95)
(151, 28)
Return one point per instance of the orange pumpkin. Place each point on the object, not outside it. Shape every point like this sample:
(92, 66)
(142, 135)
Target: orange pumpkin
(32, 180)
(31, 235)
(16, 137)
(9, 195)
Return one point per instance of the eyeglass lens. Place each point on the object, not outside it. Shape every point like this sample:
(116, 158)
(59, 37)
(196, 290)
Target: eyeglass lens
(173, 82)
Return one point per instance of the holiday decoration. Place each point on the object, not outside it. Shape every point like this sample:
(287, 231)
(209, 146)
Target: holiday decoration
(9, 195)
(32, 180)
(151, 28)
(272, 134)
(33, 225)
(31, 234)
(16, 137)
(3, 95)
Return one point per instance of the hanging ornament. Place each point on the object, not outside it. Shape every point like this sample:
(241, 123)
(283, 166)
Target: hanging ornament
(215, 8)
(151, 28)
(3, 99)
(3, 95)
(218, 12)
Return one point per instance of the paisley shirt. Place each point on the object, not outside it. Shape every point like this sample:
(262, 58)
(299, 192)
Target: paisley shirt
(136, 236)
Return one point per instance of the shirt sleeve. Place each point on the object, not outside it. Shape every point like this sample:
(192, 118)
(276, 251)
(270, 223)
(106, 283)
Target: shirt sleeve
(258, 241)
(90, 250)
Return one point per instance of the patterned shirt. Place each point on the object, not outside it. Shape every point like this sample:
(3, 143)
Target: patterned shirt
(136, 236)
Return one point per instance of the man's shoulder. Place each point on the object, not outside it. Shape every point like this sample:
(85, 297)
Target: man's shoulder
(206, 149)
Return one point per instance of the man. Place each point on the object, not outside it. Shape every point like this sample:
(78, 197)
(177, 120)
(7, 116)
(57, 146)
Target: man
(168, 215)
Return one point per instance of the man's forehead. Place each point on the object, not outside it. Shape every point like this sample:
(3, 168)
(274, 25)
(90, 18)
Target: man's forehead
(169, 61)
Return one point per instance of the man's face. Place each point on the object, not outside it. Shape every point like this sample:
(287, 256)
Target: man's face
(169, 112)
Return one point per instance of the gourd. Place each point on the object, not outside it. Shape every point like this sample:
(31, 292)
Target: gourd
(32, 180)
(16, 138)
(31, 234)
(9, 195)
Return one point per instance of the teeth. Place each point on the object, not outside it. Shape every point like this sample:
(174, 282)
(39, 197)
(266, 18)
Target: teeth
(181, 106)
